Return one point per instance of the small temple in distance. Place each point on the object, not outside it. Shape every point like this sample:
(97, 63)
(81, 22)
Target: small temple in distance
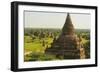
(68, 44)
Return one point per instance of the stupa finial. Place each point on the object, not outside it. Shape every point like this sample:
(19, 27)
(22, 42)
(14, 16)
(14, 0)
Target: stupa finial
(68, 27)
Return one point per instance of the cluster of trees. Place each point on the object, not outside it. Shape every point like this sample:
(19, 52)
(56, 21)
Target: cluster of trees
(86, 45)
(86, 35)
(40, 57)
(42, 33)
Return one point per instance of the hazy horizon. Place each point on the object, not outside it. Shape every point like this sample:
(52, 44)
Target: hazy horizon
(51, 28)
(55, 20)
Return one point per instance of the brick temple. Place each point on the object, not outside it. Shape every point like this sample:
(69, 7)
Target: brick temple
(68, 44)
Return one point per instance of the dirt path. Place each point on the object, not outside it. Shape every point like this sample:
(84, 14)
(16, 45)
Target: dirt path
(26, 53)
(82, 53)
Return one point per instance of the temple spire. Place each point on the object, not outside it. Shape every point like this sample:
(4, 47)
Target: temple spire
(67, 45)
(68, 27)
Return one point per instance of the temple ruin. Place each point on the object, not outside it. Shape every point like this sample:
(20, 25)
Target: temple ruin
(68, 44)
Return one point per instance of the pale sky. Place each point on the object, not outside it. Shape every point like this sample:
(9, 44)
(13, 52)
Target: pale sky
(55, 20)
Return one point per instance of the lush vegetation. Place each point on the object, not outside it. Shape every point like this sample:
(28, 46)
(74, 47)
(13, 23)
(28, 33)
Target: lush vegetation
(37, 40)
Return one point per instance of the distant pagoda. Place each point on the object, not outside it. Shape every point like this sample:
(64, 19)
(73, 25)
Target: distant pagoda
(67, 44)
